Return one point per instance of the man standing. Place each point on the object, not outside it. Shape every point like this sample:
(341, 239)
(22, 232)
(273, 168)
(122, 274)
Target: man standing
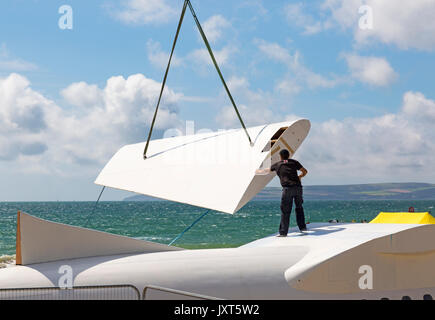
(287, 171)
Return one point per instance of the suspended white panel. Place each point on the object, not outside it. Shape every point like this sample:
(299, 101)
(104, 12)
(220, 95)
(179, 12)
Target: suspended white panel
(212, 170)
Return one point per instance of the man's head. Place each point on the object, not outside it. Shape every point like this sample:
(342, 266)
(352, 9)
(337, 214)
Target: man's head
(284, 154)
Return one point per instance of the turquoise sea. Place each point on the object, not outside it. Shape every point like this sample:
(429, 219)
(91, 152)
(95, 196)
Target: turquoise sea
(162, 221)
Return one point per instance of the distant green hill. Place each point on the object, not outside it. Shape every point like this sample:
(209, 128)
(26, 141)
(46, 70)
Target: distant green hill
(379, 191)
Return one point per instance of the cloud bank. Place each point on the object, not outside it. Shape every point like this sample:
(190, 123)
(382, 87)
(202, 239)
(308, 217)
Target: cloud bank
(42, 136)
(397, 146)
(406, 24)
(37, 135)
(374, 71)
(142, 12)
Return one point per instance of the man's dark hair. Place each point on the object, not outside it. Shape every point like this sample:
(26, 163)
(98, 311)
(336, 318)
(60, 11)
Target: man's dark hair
(284, 154)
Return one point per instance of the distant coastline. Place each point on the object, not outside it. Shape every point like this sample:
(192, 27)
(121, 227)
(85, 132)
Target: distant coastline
(378, 191)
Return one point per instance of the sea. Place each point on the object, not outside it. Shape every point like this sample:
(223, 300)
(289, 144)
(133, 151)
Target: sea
(162, 221)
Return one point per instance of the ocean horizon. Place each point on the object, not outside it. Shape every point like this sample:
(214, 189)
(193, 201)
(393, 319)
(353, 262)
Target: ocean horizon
(162, 221)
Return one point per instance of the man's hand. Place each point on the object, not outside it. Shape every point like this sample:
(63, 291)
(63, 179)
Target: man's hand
(262, 171)
(304, 173)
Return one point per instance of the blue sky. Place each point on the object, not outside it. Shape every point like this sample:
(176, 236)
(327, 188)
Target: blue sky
(71, 98)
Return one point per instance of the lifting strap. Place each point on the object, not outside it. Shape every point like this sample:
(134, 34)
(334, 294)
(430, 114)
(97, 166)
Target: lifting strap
(164, 78)
(201, 31)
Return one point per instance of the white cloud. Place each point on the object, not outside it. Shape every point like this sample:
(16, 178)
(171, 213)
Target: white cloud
(23, 118)
(17, 65)
(160, 58)
(9, 63)
(222, 56)
(81, 94)
(256, 6)
(214, 26)
(254, 106)
(417, 106)
(275, 52)
(288, 87)
(296, 15)
(195, 58)
(238, 84)
(22, 109)
(298, 72)
(251, 115)
(394, 147)
(408, 24)
(145, 12)
(36, 132)
(371, 70)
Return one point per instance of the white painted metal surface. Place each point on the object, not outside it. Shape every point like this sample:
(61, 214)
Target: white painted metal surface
(217, 171)
(327, 240)
(43, 241)
(320, 265)
(212, 170)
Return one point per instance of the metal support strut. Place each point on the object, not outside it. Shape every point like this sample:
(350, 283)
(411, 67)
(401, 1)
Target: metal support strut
(201, 31)
(95, 206)
(188, 228)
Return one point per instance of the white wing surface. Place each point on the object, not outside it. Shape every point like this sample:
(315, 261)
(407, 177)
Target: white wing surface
(212, 170)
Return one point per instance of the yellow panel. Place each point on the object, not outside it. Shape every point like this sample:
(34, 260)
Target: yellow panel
(404, 217)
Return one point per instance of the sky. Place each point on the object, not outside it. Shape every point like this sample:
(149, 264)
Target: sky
(80, 79)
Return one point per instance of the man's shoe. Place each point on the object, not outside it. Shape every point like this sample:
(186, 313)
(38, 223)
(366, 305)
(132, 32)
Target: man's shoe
(303, 229)
(282, 235)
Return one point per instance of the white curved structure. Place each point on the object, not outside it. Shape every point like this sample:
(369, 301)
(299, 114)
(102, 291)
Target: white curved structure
(43, 241)
(195, 169)
(331, 261)
(392, 257)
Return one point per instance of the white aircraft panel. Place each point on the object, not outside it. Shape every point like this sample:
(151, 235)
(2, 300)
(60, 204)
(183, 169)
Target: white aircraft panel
(212, 170)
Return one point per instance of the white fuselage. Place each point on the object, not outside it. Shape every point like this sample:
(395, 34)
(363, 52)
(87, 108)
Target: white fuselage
(269, 268)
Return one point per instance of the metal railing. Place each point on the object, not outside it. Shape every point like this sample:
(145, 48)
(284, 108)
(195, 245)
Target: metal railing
(105, 292)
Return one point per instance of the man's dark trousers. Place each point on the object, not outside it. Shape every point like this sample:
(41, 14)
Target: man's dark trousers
(290, 194)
